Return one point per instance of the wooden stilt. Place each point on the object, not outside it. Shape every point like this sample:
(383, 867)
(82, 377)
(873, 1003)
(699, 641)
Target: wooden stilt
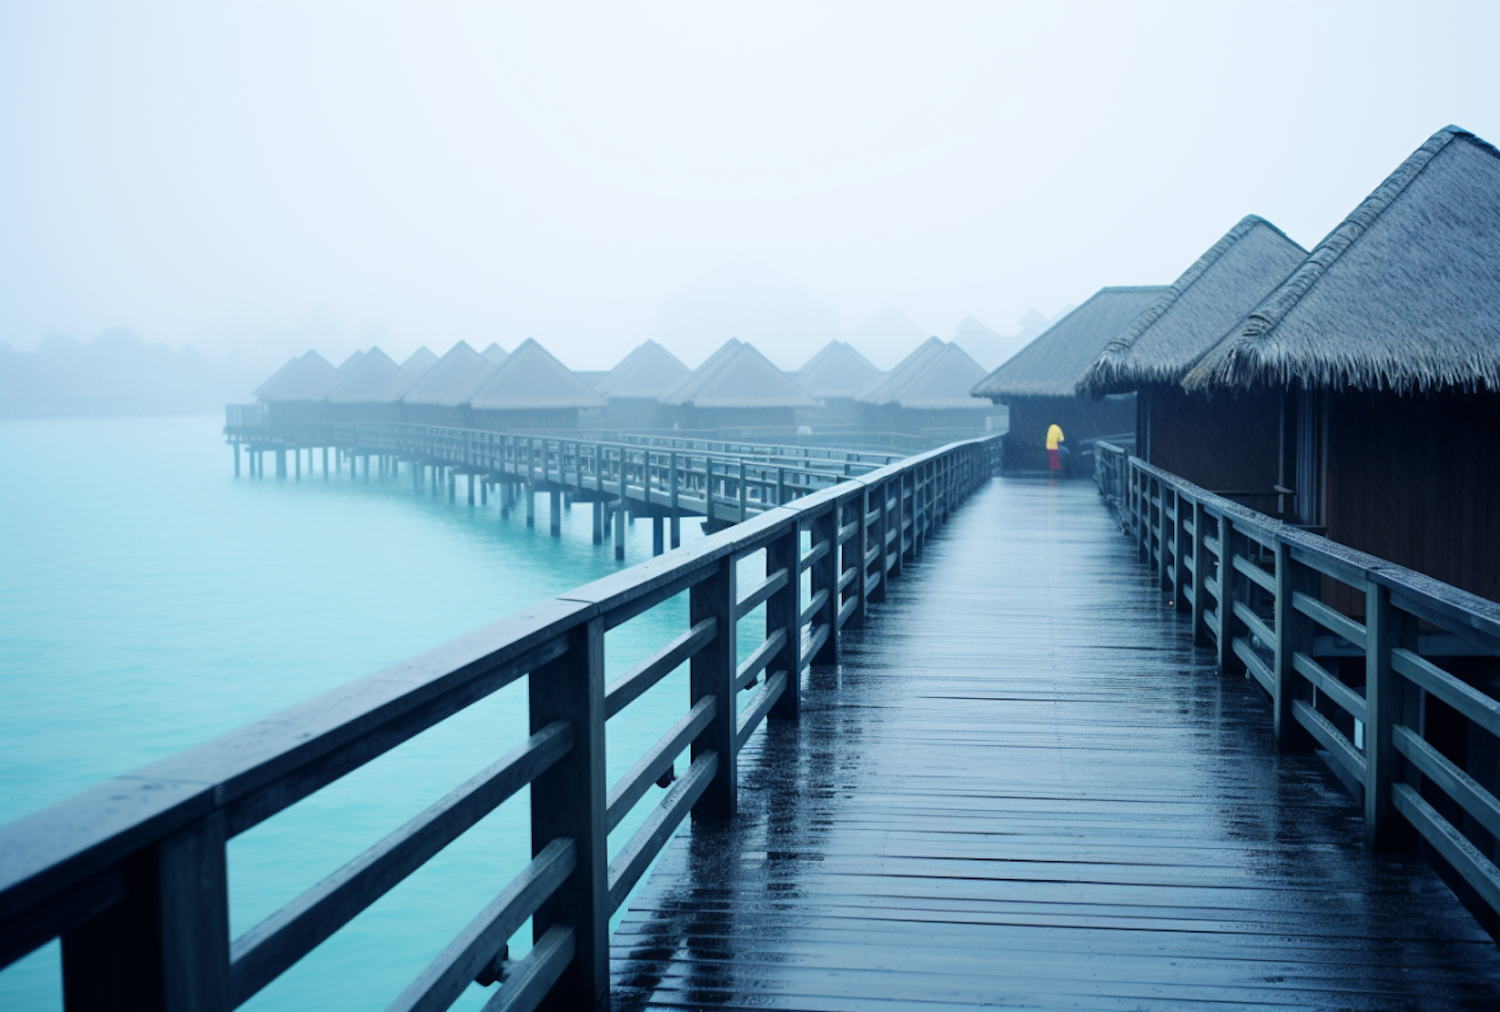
(554, 511)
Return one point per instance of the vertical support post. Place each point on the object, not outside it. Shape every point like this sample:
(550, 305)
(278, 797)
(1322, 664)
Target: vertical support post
(1200, 573)
(554, 513)
(744, 493)
(897, 520)
(712, 672)
(236, 460)
(530, 494)
(1294, 631)
(1163, 556)
(1138, 515)
(1228, 663)
(859, 546)
(325, 463)
(165, 945)
(280, 462)
(676, 531)
(598, 521)
(567, 802)
(484, 493)
(825, 576)
(507, 496)
(1384, 826)
(1182, 549)
(619, 512)
(876, 535)
(784, 611)
(672, 494)
(658, 535)
(471, 488)
(781, 486)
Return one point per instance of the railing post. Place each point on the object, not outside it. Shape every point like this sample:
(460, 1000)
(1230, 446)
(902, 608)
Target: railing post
(1181, 550)
(784, 611)
(1385, 829)
(1138, 514)
(567, 802)
(1228, 662)
(1200, 573)
(711, 673)
(165, 945)
(744, 492)
(825, 576)
(860, 545)
(1163, 555)
(900, 524)
(1294, 632)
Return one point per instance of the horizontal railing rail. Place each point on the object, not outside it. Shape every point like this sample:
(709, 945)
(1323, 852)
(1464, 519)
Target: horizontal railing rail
(132, 875)
(1390, 673)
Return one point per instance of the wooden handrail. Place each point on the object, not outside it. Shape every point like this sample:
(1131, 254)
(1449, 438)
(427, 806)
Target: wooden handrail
(1284, 609)
(73, 870)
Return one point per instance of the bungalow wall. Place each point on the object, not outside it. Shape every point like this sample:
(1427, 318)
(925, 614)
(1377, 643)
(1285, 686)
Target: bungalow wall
(534, 420)
(452, 416)
(1225, 443)
(1416, 480)
(733, 419)
(1081, 418)
(295, 412)
(626, 413)
(915, 421)
(834, 411)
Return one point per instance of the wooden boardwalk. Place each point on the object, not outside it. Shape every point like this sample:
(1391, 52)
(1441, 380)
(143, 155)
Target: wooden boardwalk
(1024, 788)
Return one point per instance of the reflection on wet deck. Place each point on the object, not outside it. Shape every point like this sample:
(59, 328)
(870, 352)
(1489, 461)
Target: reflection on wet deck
(1024, 788)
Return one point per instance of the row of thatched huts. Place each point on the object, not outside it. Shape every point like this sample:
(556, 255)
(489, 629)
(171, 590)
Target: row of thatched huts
(736, 390)
(1353, 389)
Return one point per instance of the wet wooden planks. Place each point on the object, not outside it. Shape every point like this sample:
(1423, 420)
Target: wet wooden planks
(1023, 788)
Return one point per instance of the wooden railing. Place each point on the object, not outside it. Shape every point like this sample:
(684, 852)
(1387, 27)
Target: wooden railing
(132, 874)
(728, 486)
(1379, 666)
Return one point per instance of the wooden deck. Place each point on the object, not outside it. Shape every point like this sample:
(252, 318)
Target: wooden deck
(1023, 788)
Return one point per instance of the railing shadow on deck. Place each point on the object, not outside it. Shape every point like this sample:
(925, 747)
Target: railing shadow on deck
(1375, 664)
(132, 875)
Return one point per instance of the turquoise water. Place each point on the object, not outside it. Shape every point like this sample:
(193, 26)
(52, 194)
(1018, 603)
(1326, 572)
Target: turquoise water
(150, 600)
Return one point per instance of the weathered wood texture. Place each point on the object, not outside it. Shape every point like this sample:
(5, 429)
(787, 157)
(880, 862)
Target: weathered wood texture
(1024, 787)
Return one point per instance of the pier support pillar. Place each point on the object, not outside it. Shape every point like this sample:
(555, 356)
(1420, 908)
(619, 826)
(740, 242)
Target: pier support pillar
(297, 453)
(658, 536)
(554, 514)
(236, 460)
(677, 532)
(471, 490)
(325, 463)
(280, 463)
(530, 494)
(484, 493)
(506, 497)
(598, 522)
(452, 484)
(620, 530)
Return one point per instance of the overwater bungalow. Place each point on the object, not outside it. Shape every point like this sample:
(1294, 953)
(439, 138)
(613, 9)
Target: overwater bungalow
(363, 394)
(494, 354)
(533, 391)
(835, 376)
(1383, 347)
(441, 396)
(928, 392)
(1039, 383)
(293, 394)
(271, 380)
(735, 389)
(634, 388)
(1227, 444)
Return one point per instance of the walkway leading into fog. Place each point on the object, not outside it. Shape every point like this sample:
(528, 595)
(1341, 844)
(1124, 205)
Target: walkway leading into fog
(1023, 788)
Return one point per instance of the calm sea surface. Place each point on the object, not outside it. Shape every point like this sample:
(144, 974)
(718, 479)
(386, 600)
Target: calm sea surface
(150, 601)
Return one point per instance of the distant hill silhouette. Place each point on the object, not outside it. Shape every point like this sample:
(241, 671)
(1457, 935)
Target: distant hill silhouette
(116, 374)
(887, 337)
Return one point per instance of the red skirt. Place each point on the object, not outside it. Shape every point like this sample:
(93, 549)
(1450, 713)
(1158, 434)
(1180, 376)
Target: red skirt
(1055, 459)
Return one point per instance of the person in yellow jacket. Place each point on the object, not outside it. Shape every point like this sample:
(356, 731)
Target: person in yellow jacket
(1054, 447)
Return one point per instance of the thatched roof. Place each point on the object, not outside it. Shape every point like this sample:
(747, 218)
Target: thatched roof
(455, 378)
(1051, 365)
(419, 361)
(494, 354)
(302, 379)
(1197, 311)
(339, 375)
(839, 370)
(647, 372)
(1403, 295)
(369, 382)
(738, 376)
(938, 375)
(270, 381)
(532, 380)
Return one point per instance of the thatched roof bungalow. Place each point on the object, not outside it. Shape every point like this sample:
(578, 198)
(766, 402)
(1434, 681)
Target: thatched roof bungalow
(927, 392)
(441, 395)
(368, 392)
(532, 391)
(1385, 344)
(736, 388)
(294, 394)
(634, 388)
(834, 376)
(1039, 382)
(1228, 444)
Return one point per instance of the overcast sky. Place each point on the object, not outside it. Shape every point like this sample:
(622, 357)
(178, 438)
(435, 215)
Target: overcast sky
(213, 175)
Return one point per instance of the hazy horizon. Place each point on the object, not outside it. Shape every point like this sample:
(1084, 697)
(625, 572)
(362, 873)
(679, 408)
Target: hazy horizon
(595, 176)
